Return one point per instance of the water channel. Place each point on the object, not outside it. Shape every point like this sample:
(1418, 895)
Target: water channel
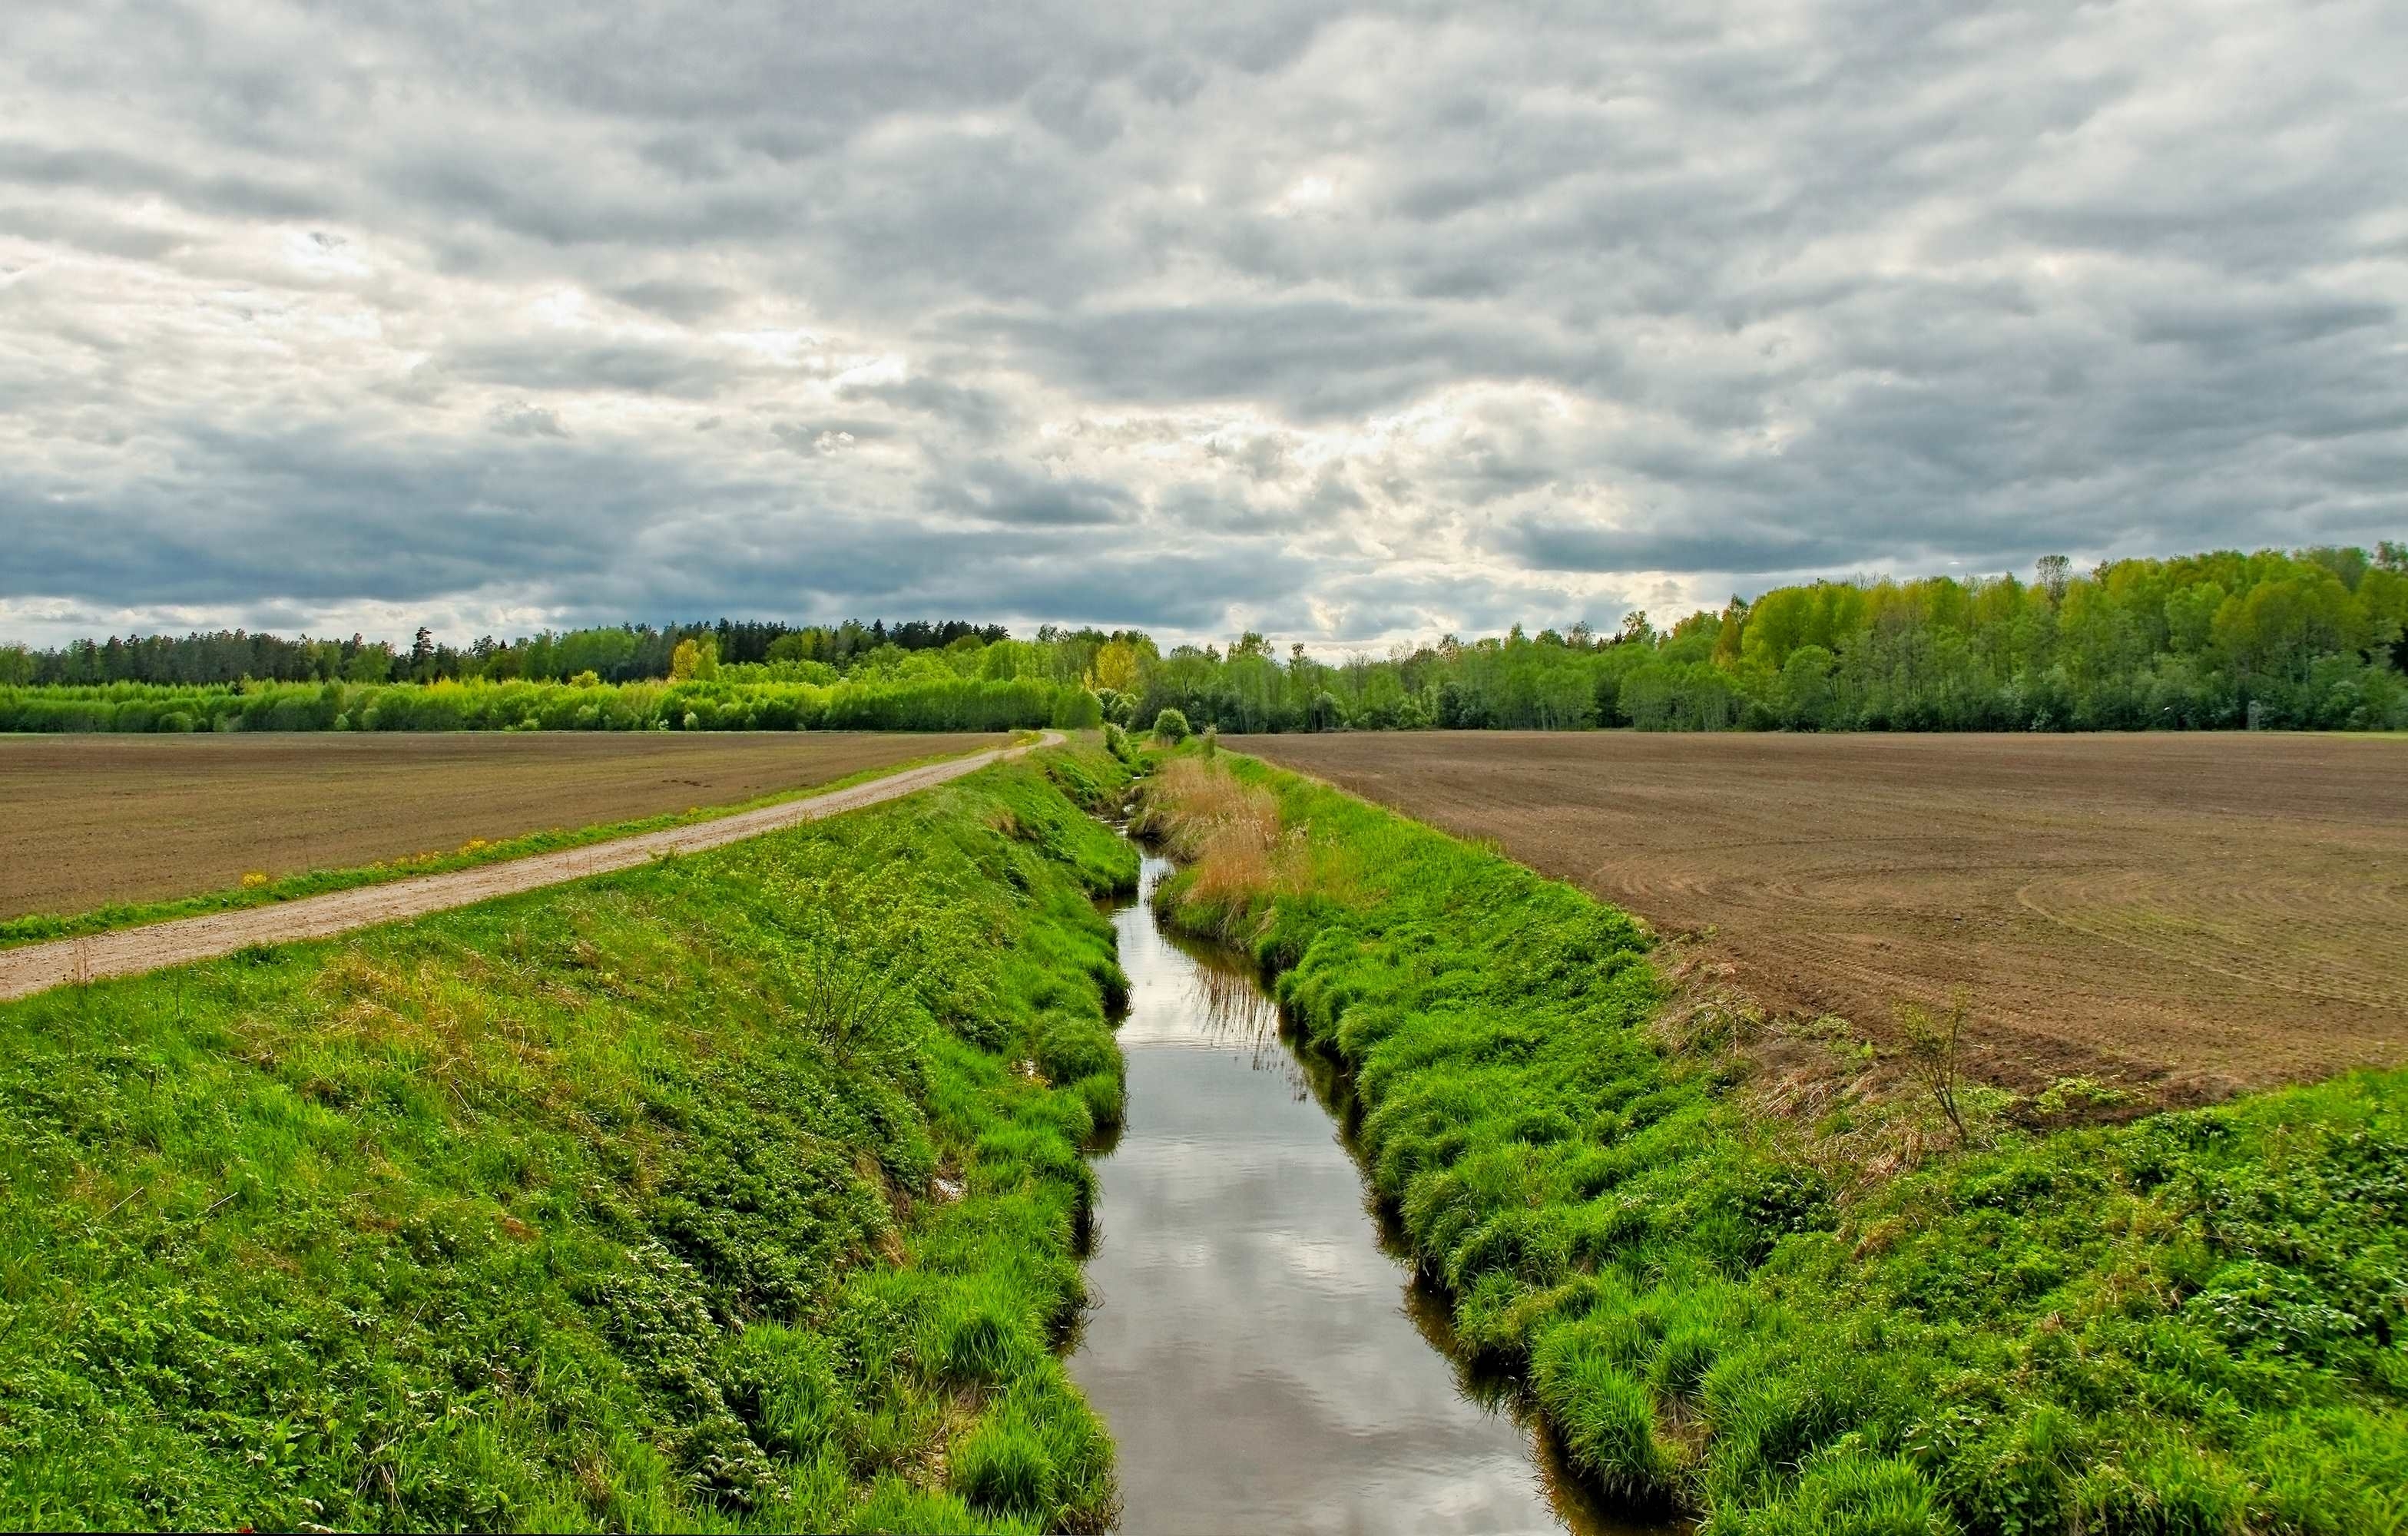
(1260, 1350)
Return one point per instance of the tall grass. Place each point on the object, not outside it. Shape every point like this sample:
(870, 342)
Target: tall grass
(713, 1195)
(1225, 832)
(2193, 1323)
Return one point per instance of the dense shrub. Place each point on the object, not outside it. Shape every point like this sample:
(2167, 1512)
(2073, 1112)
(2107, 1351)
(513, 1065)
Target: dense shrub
(921, 704)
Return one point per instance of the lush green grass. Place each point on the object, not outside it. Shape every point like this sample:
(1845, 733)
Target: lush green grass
(38, 927)
(727, 1192)
(2192, 1323)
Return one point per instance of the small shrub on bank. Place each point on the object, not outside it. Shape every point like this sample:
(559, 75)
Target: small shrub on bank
(1171, 727)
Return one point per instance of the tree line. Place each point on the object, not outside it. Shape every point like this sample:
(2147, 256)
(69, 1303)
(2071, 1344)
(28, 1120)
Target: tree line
(723, 703)
(2313, 639)
(2307, 639)
(631, 652)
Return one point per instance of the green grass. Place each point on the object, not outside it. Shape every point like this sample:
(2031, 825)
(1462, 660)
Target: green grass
(717, 1194)
(2192, 1323)
(40, 927)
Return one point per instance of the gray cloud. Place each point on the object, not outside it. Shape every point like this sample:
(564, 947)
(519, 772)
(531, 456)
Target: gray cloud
(523, 420)
(1353, 322)
(996, 492)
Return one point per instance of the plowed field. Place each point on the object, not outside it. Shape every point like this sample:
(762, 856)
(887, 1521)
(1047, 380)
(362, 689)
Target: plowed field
(96, 819)
(2190, 914)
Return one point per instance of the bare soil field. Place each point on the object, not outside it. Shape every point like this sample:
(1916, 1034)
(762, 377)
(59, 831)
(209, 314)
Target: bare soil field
(2192, 914)
(98, 819)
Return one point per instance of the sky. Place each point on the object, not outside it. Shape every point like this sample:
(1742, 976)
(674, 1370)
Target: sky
(1351, 323)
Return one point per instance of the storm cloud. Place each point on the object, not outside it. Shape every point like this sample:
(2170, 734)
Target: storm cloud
(1355, 323)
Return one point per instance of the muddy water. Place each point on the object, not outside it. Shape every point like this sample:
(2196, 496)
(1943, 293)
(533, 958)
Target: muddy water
(1262, 1354)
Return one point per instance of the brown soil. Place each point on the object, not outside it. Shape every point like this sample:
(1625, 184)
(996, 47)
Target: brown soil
(98, 819)
(127, 951)
(2189, 914)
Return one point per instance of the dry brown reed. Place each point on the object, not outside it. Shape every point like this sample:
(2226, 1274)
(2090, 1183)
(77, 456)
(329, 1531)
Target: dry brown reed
(1226, 832)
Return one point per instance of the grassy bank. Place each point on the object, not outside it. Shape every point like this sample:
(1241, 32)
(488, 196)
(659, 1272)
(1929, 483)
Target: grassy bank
(2191, 1323)
(738, 1191)
(40, 927)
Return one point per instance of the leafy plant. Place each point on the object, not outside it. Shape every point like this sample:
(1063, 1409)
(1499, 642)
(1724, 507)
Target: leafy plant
(1935, 1046)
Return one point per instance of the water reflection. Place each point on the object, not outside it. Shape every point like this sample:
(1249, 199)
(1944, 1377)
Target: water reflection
(1261, 1352)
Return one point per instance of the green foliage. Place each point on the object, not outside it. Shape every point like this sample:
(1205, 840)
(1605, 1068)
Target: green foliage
(2312, 638)
(701, 1195)
(725, 702)
(2193, 1321)
(612, 653)
(1171, 726)
(2316, 638)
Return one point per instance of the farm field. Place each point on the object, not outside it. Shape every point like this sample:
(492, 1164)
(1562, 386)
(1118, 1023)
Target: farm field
(105, 819)
(2189, 914)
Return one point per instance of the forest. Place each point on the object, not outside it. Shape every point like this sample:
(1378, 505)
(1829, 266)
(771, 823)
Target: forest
(2313, 639)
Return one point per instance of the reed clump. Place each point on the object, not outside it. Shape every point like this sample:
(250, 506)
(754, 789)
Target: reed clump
(1226, 833)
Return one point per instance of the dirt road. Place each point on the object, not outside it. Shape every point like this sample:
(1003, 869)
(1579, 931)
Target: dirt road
(2187, 913)
(130, 951)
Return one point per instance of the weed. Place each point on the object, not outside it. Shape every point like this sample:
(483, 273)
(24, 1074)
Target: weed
(1934, 1053)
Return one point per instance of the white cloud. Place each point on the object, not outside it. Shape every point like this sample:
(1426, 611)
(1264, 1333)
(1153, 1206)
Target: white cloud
(1362, 321)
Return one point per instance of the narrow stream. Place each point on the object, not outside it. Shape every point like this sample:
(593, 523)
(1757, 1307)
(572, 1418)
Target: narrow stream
(1263, 1355)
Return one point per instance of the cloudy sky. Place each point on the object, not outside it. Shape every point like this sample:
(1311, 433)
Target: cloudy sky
(1349, 323)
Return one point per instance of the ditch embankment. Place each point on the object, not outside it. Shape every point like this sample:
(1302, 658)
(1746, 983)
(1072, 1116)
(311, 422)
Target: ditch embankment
(736, 1191)
(2192, 1322)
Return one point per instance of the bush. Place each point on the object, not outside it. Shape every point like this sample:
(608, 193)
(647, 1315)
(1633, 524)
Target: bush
(1171, 727)
(945, 703)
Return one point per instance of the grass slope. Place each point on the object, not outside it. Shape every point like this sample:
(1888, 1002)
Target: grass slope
(739, 1191)
(2196, 1323)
